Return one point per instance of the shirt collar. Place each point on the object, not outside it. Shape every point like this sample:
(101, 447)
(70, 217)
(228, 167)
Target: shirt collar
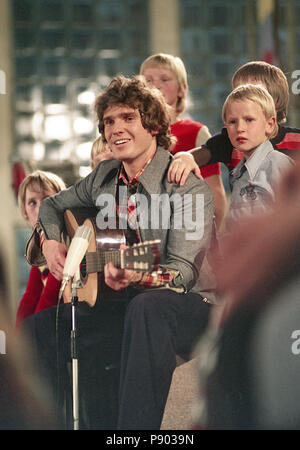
(253, 163)
(151, 178)
(255, 160)
(134, 180)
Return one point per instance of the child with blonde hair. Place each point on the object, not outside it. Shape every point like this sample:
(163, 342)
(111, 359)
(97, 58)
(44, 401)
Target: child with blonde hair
(249, 115)
(100, 151)
(168, 74)
(42, 184)
(219, 148)
(42, 288)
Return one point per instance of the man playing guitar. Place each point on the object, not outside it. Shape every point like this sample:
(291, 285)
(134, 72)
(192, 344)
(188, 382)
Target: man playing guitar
(163, 312)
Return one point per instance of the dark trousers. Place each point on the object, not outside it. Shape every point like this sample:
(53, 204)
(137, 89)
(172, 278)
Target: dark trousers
(99, 333)
(145, 332)
(158, 325)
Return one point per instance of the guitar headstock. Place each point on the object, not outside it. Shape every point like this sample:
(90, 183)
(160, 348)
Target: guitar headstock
(143, 257)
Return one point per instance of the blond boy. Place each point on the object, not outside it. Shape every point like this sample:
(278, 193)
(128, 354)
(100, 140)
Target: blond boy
(219, 147)
(249, 115)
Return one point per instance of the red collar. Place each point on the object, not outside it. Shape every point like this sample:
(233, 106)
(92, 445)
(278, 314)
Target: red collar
(134, 180)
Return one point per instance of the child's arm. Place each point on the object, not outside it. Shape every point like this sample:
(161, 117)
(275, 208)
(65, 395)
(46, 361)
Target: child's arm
(218, 148)
(49, 295)
(31, 295)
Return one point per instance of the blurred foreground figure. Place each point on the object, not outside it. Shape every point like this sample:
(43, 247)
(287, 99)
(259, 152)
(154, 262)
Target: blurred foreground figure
(249, 359)
(24, 402)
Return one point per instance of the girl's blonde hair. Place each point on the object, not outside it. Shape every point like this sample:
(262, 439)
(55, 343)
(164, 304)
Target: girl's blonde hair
(98, 147)
(39, 181)
(257, 94)
(176, 65)
(272, 78)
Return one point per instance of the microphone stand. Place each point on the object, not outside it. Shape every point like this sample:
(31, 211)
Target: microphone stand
(76, 284)
(77, 249)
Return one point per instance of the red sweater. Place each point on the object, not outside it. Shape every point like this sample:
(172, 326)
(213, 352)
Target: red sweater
(186, 132)
(41, 292)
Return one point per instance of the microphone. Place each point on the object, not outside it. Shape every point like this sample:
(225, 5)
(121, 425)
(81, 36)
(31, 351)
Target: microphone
(76, 251)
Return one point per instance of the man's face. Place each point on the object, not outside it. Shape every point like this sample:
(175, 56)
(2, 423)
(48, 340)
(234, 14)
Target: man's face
(128, 140)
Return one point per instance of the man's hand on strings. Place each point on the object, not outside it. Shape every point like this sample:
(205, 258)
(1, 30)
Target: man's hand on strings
(119, 278)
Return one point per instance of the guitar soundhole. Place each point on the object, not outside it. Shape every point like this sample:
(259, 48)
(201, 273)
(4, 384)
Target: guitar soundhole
(83, 272)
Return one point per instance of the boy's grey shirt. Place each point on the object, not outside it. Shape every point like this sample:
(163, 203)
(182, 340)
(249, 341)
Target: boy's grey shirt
(185, 255)
(253, 181)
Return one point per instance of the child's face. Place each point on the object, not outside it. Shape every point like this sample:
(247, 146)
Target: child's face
(33, 200)
(166, 81)
(247, 125)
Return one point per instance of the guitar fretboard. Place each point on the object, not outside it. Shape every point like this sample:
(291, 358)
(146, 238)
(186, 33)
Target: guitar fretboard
(95, 261)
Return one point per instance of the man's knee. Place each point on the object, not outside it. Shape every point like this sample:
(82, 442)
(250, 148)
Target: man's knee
(141, 303)
(151, 305)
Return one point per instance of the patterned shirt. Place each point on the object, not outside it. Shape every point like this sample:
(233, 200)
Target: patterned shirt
(126, 210)
(254, 181)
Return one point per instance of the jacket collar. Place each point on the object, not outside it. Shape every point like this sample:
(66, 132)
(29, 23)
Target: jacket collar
(154, 173)
(151, 177)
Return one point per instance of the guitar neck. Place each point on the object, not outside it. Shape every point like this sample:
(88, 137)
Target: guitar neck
(143, 256)
(95, 261)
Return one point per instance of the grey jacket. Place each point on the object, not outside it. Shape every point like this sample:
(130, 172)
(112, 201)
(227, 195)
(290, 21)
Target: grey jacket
(185, 232)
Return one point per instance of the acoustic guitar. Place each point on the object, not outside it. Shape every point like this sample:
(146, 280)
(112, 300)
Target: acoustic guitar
(104, 247)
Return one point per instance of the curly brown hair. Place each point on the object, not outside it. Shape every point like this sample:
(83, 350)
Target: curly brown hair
(135, 93)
